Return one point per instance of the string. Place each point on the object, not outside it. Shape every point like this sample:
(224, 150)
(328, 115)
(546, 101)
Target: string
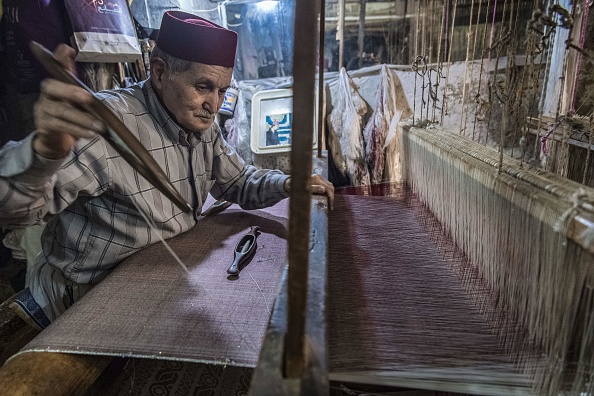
(429, 51)
(523, 208)
(476, 30)
(501, 43)
(490, 85)
(153, 227)
(549, 34)
(480, 78)
(149, 221)
(449, 62)
(589, 153)
(416, 59)
(260, 289)
(425, 58)
(439, 59)
(464, 112)
(533, 51)
(518, 92)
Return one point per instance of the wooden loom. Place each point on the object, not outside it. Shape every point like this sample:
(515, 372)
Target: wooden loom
(527, 237)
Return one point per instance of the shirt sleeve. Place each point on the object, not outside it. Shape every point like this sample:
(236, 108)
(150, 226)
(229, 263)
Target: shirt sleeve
(243, 184)
(32, 187)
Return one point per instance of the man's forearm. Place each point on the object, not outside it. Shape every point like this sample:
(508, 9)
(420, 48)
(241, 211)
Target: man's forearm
(26, 184)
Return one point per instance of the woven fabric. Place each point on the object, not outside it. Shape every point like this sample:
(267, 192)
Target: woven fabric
(150, 307)
(396, 306)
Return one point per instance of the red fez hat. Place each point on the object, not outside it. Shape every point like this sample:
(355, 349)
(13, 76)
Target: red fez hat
(189, 37)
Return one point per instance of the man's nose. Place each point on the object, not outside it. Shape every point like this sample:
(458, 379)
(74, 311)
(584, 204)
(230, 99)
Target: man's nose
(213, 102)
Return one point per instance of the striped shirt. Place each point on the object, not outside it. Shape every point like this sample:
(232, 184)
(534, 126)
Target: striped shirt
(89, 199)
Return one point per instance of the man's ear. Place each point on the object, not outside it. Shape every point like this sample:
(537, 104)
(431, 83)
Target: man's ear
(158, 67)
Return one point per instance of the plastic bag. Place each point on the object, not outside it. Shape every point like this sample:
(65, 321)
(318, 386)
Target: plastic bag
(103, 31)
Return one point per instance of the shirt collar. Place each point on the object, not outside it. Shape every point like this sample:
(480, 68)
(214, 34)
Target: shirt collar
(171, 128)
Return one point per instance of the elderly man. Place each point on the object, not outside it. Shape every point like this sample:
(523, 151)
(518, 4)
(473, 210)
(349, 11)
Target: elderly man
(92, 199)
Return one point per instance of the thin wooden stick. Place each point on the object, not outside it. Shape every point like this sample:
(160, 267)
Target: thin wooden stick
(341, 10)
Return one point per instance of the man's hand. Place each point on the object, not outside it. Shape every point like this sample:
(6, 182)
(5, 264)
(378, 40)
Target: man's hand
(319, 186)
(60, 118)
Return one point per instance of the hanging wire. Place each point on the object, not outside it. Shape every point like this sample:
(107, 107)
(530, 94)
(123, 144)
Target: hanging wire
(506, 91)
(438, 74)
(480, 78)
(425, 61)
(494, 85)
(589, 153)
(517, 89)
(476, 31)
(532, 51)
(549, 33)
(430, 58)
(464, 110)
(415, 65)
(444, 111)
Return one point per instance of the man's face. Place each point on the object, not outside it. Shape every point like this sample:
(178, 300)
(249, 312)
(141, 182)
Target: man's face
(194, 96)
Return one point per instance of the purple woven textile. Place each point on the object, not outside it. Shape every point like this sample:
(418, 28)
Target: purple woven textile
(397, 308)
(149, 307)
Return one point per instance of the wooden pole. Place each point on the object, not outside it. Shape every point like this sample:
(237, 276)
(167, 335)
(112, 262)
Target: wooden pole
(321, 76)
(341, 11)
(361, 33)
(304, 55)
(48, 373)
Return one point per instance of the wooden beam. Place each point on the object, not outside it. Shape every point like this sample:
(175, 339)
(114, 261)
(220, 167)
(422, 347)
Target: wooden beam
(341, 27)
(304, 55)
(321, 107)
(361, 33)
(48, 373)
(268, 378)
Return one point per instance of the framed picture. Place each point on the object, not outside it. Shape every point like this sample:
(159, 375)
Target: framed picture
(272, 122)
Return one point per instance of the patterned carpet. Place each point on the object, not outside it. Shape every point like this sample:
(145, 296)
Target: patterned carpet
(147, 377)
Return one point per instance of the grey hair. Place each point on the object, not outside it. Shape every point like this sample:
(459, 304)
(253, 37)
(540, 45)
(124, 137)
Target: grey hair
(175, 65)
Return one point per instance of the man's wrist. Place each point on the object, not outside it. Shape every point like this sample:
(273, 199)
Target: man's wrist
(42, 150)
(287, 185)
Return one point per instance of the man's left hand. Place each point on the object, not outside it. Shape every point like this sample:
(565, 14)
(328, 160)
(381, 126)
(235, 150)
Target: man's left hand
(319, 186)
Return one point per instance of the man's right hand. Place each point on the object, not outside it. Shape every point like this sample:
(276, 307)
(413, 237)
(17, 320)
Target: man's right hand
(60, 118)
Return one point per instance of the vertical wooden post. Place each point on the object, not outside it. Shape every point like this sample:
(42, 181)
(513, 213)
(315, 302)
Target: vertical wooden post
(304, 55)
(361, 33)
(321, 76)
(341, 11)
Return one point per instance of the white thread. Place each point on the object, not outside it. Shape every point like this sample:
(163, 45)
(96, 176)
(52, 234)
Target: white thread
(151, 224)
(259, 288)
(159, 235)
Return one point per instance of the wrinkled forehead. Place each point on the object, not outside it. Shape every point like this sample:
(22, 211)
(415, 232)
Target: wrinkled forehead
(220, 76)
